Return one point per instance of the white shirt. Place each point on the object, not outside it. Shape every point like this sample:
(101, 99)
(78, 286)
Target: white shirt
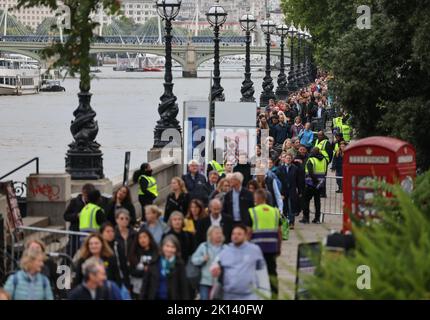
(216, 222)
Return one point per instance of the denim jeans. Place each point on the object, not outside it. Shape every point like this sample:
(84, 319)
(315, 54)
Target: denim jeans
(204, 292)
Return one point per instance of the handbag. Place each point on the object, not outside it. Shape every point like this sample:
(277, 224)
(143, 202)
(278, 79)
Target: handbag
(193, 272)
(125, 294)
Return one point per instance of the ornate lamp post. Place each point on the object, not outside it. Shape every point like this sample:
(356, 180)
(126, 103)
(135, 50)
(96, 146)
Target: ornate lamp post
(216, 17)
(292, 85)
(268, 27)
(248, 23)
(299, 69)
(168, 108)
(282, 90)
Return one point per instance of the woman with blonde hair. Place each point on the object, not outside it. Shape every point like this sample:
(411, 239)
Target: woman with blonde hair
(205, 256)
(178, 198)
(29, 283)
(221, 190)
(154, 223)
(186, 239)
(95, 246)
(288, 147)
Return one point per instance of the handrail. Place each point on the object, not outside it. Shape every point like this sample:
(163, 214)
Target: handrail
(22, 166)
(66, 232)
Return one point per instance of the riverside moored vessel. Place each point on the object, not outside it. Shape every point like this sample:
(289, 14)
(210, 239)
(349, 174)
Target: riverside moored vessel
(19, 75)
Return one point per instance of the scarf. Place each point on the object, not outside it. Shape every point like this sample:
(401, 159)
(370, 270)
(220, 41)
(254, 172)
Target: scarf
(167, 265)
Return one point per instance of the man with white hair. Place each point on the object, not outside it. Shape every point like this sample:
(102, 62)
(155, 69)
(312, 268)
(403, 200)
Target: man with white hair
(238, 200)
(196, 183)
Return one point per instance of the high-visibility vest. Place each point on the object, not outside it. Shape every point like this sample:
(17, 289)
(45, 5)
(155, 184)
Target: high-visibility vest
(218, 167)
(87, 218)
(336, 147)
(319, 166)
(321, 145)
(346, 131)
(152, 186)
(265, 226)
(337, 122)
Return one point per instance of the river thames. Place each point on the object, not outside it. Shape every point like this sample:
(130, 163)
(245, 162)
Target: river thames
(126, 104)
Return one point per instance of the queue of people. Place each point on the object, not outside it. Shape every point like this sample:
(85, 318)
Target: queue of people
(220, 233)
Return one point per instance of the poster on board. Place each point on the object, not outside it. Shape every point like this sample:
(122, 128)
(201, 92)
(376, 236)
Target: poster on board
(235, 131)
(196, 133)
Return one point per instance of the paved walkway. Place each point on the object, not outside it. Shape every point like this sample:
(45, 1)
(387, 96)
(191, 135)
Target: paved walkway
(288, 259)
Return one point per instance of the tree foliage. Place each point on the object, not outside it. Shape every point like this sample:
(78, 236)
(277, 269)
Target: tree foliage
(382, 74)
(395, 249)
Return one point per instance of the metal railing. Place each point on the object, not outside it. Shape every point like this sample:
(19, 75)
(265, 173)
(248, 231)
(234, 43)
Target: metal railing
(59, 243)
(22, 166)
(333, 203)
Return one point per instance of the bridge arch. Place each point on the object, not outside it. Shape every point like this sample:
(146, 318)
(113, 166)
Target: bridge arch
(31, 54)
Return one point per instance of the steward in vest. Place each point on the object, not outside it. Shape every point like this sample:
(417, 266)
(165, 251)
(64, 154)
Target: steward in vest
(147, 185)
(324, 146)
(316, 170)
(346, 132)
(215, 166)
(92, 215)
(267, 234)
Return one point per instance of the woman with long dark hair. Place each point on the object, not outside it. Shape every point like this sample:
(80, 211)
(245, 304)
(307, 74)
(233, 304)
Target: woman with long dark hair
(144, 250)
(196, 211)
(121, 199)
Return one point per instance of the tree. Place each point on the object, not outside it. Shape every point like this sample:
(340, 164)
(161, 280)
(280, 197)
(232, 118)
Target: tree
(395, 250)
(381, 75)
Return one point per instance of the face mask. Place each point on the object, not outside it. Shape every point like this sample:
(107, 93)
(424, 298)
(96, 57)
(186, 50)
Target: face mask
(148, 173)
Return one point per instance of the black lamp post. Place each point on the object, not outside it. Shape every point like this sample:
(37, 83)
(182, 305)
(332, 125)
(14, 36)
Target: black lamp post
(168, 108)
(299, 68)
(216, 17)
(306, 73)
(282, 90)
(269, 28)
(292, 85)
(248, 23)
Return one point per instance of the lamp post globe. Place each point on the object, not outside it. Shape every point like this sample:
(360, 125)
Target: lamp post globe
(216, 16)
(248, 24)
(168, 107)
(292, 85)
(268, 27)
(282, 89)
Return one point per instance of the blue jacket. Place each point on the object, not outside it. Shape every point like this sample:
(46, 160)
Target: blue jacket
(197, 259)
(240, 265)
(307, 138)
(281, 133)
(22, 286)
(197, 187)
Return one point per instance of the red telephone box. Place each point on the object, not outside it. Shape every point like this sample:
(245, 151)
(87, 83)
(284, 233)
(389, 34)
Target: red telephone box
(374, 158)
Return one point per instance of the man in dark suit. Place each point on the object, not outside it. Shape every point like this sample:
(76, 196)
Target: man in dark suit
(215, 218)
(213, 178)
(291, 190)
(238, 201)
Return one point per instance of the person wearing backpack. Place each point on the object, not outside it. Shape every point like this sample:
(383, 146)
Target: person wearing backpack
(29, 283)
(205, 256)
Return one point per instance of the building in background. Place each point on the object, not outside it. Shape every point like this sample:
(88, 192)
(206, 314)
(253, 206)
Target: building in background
(30, 17)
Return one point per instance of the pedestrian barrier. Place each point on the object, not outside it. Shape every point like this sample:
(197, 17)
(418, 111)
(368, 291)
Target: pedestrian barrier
(333, 203)
(60, 244)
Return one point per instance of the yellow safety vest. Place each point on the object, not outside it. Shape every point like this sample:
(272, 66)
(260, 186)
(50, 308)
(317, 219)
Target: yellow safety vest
(337, 122)
(346, 131)
(216, 166)
(87, 218)
(320, 166)
(152, 185)
(321, 145)
(265, 226)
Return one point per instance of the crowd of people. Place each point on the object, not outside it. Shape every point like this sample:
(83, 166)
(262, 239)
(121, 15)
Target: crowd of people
(221, 229)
